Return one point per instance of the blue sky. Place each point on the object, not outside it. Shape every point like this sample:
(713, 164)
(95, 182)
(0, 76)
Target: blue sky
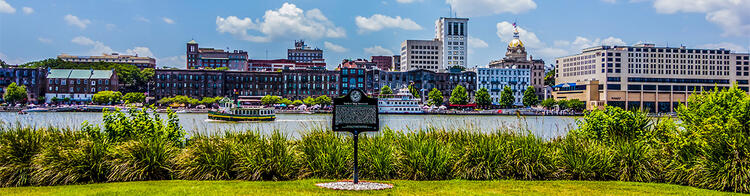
(40, 29)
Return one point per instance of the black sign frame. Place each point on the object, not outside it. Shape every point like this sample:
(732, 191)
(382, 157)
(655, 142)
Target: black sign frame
(355, 98)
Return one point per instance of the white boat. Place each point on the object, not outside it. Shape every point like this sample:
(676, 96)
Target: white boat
(402, 102)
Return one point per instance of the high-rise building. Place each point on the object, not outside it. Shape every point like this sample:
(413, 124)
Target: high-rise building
(198, 58)
(139, 61)
(422, 54)
(384, 63)
(453, 34)
(516, 58)
(656, 79)
(396, 62)
(303, 53)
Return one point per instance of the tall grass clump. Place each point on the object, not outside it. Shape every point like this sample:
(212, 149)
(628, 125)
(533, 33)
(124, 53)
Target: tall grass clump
(72, 157)
(206, 158)
(325, 155)
(143, 159)
(377, 158)
(423, 156)
(719, 124)
(485, 158)
(261, 157)
(530, 157)
(583, 159)
(18, 145)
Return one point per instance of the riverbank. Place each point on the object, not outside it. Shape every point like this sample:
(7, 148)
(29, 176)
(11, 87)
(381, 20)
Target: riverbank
(401, 187)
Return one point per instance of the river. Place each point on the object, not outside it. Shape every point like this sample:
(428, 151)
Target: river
(294, 124)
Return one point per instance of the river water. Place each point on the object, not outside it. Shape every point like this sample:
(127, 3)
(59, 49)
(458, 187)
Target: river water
(294, 124)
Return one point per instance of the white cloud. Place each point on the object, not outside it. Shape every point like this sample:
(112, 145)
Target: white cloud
(725, 45)
(505, 33)
(378, 22)
(167, 20)
(610, 1)
(27, 10)
(468, 8)
(97, 47)
(477, 43)
(378, 51)
(140, 51)
(407, 1)
(336, 48)
(75, 21)
(286, 22)
(142, 19)
(44, 40)
(731, 15)
(6, 8)
(173, 61)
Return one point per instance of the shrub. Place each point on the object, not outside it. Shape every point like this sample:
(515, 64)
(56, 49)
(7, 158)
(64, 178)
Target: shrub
(376, 158)
(634, 161)
(143, 159)
(582, 159)
(18, 145)
(422, 156)
(266, 158)
(71, 157)
(325, 155)
(206, 158)
(614, 125)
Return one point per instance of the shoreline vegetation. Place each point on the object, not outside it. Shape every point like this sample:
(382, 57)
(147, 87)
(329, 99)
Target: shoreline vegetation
(708, 149)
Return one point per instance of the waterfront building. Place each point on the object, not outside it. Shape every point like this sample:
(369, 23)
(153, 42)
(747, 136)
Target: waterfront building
(517, 58)
(198, 58)
(496, 79)
(211, 83)
(643, 76)
(139, 61)
(283, 64)
(425, 81)
(422, 54)
(299, 84)
(355, 78)
(32, 78)
(383, 62)
(453, 35)
(304, 54)
(79, 85)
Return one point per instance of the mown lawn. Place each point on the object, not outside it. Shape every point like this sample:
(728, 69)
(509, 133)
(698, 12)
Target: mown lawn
(307, 187)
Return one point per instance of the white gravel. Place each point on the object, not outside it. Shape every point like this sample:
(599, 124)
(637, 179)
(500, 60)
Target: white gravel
(349, 185)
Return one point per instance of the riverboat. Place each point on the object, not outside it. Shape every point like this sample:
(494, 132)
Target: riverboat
(402, 102)
(233, 111)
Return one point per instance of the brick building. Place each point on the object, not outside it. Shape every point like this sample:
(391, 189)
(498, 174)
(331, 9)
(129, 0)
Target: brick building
(79, 85)
(33, 79)
(214, 58)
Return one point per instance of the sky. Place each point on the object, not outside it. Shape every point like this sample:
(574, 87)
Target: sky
(346, 29)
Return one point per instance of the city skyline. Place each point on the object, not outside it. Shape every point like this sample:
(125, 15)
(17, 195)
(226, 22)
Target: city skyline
(359, 29)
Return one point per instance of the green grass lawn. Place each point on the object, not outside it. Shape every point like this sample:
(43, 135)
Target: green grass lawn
(307, 187)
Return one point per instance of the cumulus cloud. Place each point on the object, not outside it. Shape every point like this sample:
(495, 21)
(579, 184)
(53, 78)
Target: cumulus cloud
(44, 40)
(27, 10)
(6, 8)
(173, 61)
(142, 19)
(333, 47)
(167, 20)
(725, 45)
(477, 43)
(97, 47)
(140, 51)
(378, 51)
(378, 22)
(75, 21)
(731, 15)
(287, 22)
(469, 8)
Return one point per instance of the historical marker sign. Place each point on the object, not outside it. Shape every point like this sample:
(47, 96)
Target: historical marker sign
(355, 112)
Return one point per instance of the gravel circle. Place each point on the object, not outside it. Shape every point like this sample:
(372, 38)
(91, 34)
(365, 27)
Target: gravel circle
(349, 185)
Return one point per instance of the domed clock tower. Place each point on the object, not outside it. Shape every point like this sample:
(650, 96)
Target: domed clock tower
(516, 58)
(516, 50)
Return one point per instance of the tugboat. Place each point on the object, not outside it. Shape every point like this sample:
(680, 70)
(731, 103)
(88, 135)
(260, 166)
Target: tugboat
(233, 111)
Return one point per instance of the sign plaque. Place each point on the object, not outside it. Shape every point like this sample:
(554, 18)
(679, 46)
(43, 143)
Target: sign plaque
(355, 113)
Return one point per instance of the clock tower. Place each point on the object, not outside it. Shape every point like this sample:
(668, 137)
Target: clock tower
(516, 50)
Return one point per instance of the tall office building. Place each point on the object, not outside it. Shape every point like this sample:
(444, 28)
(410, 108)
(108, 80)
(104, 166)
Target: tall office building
(422, 54)
(304, 54)
(656, 79)
(453, 34)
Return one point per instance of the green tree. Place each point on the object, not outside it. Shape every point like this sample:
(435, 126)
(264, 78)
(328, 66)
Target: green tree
(435, 97)
(529, 97)
(297, 102)
(309, 101)
(548, 103)
(134, 97)
(323, 100)
(386, 90)
(563, 104)
(506, 97)
(14, 93)
(549, 79)
(286, 101)
(414, 91)
(107, 97)
(459, 96)
(483, 97)
(270, 100)
(576, 105)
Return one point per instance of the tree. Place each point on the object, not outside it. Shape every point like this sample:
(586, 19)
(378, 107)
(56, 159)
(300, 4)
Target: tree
(323, 100)
(134, 97)
(386, 90)
(270, 100)
(414, 92)
(435, 97)
(483, 97)
(549, 79)
(459, 96)
(15, 93)
(309, 101)
(576, 105)
(563, 104)
(286, 101)
(548, 103)
(506, 97)
(529, 97)
(297, 102)
(107, 97)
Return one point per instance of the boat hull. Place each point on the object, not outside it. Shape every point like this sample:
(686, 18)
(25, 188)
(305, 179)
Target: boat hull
(230, 117)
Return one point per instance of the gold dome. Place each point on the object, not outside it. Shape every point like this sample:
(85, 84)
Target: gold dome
(515, 43)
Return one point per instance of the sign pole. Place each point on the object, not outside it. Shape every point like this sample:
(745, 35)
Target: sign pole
(356, 145)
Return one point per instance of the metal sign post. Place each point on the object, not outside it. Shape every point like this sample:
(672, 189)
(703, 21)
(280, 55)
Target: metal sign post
(355, 113)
